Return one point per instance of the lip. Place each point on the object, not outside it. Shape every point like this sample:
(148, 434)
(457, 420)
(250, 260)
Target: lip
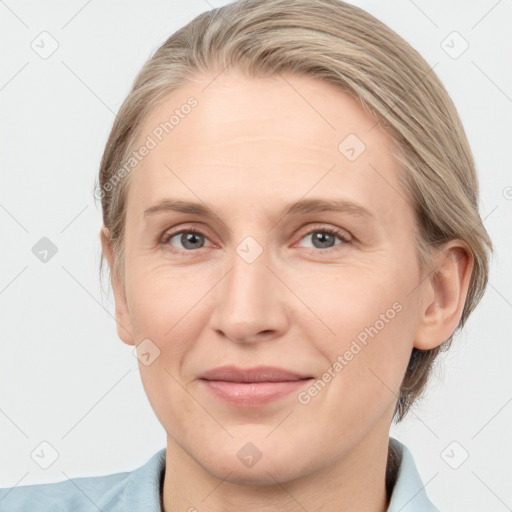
(256, 374)
(252, 387)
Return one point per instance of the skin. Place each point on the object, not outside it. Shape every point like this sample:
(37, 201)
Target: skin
(249, 149)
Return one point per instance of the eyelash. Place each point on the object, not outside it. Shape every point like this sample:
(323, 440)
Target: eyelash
(317, 229)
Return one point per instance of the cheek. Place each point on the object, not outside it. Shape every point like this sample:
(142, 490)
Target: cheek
(368, 320)
(161, 298)
(364, 373)
(349, 300)
(168, 307)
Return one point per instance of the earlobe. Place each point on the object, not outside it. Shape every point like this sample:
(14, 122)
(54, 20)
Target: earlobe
(122, 315)
(445, 291)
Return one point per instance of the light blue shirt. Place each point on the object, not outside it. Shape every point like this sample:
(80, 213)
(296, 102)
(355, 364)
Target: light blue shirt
(139, 491)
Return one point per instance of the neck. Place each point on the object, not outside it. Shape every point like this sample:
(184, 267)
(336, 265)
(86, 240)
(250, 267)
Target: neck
(355, 481)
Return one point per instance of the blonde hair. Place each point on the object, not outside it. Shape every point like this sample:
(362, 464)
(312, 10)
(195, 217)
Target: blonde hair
(341, 44)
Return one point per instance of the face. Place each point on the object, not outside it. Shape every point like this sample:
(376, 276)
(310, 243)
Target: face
(264, 273)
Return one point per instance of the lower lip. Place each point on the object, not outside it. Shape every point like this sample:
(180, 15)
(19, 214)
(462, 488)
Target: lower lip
(252, 394)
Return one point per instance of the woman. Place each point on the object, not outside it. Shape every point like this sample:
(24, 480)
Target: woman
(291, 223)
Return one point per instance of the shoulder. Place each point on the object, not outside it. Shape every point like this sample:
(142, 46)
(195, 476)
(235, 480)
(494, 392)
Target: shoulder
(108, 493)
(409, 494)
(74, 494)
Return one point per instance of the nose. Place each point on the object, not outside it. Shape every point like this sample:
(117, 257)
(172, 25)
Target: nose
(251, 301)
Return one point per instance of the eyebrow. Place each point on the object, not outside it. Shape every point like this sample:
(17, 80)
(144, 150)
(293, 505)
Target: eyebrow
(301, 207)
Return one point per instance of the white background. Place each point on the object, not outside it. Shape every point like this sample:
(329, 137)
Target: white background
(65, 376)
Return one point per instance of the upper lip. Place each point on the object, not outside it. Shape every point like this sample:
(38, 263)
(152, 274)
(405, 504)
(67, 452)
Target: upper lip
(255, 374)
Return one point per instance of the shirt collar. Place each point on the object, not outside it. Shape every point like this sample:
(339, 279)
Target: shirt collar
(141, 489)
(409, 493)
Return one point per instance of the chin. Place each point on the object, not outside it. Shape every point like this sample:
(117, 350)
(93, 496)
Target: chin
(253, 463)
(263, 473)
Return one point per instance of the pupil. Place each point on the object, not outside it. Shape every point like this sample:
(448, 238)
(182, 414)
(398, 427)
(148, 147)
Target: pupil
(323, 238)
(190, 238)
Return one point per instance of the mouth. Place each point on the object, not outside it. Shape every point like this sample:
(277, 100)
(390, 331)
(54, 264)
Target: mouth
(252, 387)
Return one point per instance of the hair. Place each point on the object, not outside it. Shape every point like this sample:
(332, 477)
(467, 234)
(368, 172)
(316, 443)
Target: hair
(341, 44)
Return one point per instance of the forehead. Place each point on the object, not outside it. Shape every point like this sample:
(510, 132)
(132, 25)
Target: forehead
(234, 138)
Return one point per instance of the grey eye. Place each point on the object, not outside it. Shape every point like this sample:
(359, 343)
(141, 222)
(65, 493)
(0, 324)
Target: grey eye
(322, 239)
(189, 240)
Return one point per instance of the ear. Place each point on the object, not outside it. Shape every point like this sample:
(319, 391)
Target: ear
(123, 320)
(444, 292)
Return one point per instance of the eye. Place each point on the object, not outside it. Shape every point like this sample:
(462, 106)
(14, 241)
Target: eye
(190, 239)
(323, 238)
